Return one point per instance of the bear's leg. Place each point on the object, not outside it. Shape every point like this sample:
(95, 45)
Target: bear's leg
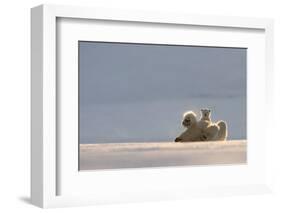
(178, 139)
(222, 134)
(210, 133)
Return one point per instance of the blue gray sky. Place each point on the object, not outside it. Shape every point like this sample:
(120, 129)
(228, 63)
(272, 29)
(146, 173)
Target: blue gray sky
(138, 92)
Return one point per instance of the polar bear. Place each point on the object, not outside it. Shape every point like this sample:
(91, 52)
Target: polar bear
(209, 129)
(205, 119)
(193, 132)
(203, 130)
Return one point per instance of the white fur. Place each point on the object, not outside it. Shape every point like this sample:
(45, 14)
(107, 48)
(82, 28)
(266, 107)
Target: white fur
(222, 134)
(203, 130)
(192, 133)
(205, 120)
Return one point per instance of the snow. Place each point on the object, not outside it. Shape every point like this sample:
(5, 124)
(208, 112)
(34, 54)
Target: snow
(161, 154)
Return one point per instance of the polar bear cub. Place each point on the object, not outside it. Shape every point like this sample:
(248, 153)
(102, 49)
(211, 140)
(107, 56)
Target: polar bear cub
(209, 130)
(205, 119)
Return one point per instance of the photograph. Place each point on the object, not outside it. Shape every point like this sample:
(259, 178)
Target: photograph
(144, 105)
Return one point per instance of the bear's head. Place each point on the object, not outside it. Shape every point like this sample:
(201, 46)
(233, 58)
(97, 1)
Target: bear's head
(189, 118)
(205, 114)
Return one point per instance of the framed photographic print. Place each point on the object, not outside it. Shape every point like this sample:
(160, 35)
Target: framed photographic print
(132, 106)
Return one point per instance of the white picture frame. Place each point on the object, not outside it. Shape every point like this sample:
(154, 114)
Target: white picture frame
(49, 171)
